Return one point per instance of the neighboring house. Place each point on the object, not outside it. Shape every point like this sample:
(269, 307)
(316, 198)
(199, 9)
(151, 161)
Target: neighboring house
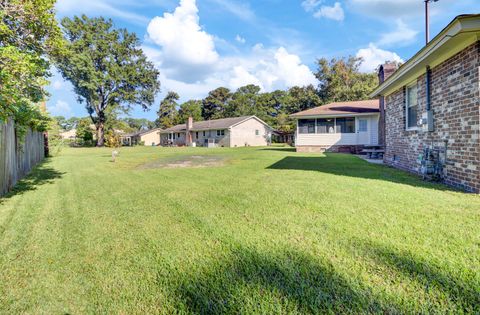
(280, 136)
(69, 134)
(72, 133)
(227, 132)
(432, 110)
(147, 138)
(338, 127)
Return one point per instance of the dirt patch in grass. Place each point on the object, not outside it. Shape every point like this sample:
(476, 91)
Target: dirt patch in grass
(186, 161)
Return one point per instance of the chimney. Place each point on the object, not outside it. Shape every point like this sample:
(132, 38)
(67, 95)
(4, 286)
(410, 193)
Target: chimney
(384, 72)
(188, 133)
(189, 123)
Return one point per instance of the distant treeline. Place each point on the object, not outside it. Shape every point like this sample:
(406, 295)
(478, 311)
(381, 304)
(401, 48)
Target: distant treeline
(340, 80)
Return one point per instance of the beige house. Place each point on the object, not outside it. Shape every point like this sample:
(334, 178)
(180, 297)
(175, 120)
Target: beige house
(69, 134)
(338, 127)
(147, 138)
(227, 132)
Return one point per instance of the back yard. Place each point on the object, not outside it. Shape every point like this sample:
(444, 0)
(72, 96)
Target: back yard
(234, 231)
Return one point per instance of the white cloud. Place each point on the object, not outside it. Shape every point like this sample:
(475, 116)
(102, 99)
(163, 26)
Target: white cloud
(374, 56)
(270, 69)
(241, 77)
(190, 65)
(60, 108)
(309, 5)
(402, 35)
(334, 13)
(184, 44)
(240, 39)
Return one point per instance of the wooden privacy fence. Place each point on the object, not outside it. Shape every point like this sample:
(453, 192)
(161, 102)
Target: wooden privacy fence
(17, 156)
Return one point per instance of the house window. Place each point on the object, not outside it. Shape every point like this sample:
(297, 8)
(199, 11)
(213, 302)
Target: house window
(306, 126)
(257, 132)
(220, 133)
(196, 135)
(326, 125)
(412, 106)
(362, 125)
(345, 125)
(204, 133)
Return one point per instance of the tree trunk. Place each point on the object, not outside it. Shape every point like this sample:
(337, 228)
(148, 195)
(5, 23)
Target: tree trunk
(100, 134)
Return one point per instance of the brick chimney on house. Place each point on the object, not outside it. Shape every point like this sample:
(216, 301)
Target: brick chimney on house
(188, 133)
(384, 72)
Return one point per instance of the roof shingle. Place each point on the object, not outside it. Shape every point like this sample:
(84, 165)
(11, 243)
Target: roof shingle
(224, 123)
(342, 108)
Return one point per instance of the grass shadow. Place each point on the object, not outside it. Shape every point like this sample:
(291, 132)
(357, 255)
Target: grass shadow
(247, 281)
(463, 293)
(352, 166)
(282, 149)
(40, 175)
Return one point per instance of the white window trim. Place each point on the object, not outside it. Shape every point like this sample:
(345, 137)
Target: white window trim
(358, 124)
(407, 128)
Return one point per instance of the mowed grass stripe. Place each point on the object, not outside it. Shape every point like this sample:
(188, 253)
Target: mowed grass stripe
(267, 231)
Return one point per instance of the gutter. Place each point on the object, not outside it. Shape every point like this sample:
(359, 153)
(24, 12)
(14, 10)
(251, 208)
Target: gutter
(458, 26)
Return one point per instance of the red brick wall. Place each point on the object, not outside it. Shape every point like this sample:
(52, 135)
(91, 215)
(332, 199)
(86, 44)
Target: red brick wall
(455, 89)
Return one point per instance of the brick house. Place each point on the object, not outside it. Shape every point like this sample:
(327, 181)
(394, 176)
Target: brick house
(430, 110)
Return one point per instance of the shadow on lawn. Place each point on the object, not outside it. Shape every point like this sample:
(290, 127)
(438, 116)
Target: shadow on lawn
(464, 296)
(284, 282)
(282, 149)
(40, 175)
(352, 166)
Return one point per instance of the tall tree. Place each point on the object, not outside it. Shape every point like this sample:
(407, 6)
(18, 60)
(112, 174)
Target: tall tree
(301, 98)
(107, 69)
(215, 105)
(341, 80)
(191, 108)
(244, 101)
(28, 34)
(167, 114)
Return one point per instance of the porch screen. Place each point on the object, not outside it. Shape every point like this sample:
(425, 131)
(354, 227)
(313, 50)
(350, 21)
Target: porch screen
(306, 126)
(326, 125)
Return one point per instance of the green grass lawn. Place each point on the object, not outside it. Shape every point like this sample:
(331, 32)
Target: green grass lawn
(247, 230)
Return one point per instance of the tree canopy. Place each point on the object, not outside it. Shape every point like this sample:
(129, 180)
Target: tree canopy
(107, 69)
(168, 112)
(191, 108)
(340, 80)
(215, 105)
(28, 34)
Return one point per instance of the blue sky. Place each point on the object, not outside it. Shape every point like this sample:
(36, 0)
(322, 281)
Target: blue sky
(200, 45)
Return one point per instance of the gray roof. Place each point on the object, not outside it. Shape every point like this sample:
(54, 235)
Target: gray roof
(224, 123)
